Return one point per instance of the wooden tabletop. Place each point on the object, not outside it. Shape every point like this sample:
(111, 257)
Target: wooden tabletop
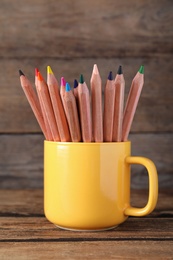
(25, 233)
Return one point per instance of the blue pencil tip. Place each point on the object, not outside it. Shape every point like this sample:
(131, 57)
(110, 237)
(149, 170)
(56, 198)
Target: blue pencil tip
(75, 83)
(67, 87)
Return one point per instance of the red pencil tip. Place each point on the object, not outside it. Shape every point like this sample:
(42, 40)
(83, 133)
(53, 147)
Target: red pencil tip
(36, 72)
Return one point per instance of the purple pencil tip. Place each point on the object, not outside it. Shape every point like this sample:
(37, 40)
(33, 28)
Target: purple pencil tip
(75, 84)
(110, 76)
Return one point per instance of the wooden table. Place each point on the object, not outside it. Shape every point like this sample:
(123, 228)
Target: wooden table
(26, 234)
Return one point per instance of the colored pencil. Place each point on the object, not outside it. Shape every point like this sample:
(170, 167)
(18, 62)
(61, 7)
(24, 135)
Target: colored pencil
(75, 92)
(45, 97)
(108, 116)
(57, 105)
(85, 110)
(65, 115)
(62, 90)
(132, 101)
(118, 106)
(72, 114)
(48, 130)
(96, 96)
(75, 89)
(33, 101)
(62, 87)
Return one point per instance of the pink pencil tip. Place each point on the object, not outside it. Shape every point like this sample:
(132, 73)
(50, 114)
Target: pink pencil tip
(63, 82)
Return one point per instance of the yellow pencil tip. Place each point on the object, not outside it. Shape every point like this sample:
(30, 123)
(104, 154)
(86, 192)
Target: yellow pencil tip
(49, 70)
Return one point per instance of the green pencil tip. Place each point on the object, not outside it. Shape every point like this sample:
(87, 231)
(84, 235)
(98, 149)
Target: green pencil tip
(141, 70)
(81, 79)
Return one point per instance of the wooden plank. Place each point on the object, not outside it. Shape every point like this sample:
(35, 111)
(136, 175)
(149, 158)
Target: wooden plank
(29, 203)
(87, 250)
(21, 160)
(154, 112)
(21, 203)
(37, 228)
(85, 29)
(158, 148)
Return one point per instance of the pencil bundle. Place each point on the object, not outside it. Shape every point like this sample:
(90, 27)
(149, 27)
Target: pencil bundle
(78, 114)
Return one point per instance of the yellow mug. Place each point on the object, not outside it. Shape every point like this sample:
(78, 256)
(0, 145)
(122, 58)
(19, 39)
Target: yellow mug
(87, 185)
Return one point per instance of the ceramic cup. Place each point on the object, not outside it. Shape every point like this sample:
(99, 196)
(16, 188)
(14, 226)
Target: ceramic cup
(87, 185)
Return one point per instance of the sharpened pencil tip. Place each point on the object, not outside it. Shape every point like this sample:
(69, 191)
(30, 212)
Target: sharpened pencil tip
(95, 69)
(63, 82)
(49, 70)
(141, 69)
(36, 72)
(120, 71)
(40, 78)
(67, 87)
(75, 84)
(81, 79)
(110, 76)
(21, 73)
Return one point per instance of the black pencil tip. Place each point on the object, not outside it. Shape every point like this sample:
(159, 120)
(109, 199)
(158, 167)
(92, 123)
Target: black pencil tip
(120, 71)
(21, 73)
(75, 83)
(110, 76)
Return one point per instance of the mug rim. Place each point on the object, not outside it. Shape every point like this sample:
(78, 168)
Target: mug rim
(87, 143)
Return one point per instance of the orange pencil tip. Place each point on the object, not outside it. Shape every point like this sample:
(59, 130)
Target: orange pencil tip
(40, 78)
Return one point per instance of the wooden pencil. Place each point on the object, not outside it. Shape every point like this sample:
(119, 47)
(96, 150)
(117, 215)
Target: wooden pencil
(57, 105)
(75, 92)
(85, 110)
(72, 114)
(75, 89)
(108, 115)
(132, 101)
(96, 96)
(33, 101)
(118, 106)
(62, 90)
(45, 97)
(48, 130)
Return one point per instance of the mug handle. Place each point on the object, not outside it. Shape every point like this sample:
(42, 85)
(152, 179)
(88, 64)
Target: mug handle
(153, 186)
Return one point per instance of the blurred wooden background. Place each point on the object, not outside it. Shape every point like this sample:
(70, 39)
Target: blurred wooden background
(71, 36)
